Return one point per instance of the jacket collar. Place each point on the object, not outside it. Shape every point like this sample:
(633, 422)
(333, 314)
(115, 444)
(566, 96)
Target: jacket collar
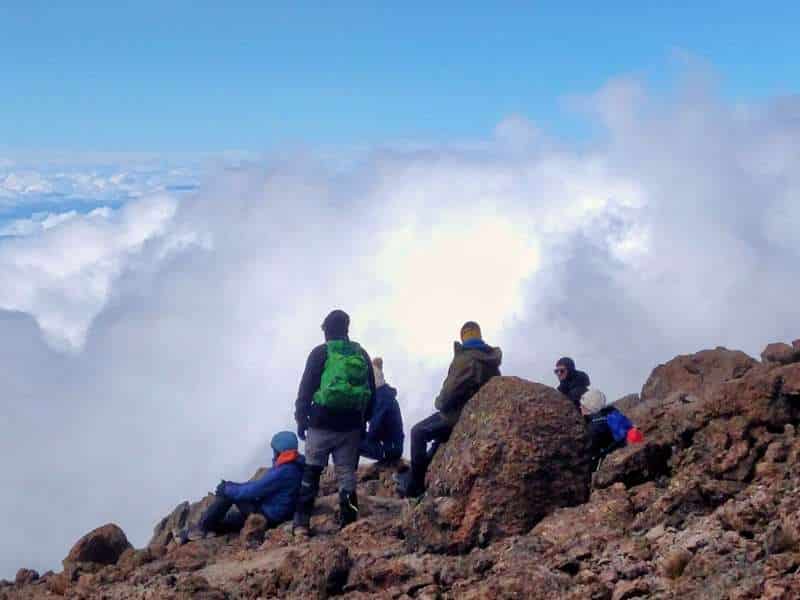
(287, 457)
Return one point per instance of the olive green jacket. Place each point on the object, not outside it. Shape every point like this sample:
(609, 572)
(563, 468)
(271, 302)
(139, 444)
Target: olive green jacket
(470, 370)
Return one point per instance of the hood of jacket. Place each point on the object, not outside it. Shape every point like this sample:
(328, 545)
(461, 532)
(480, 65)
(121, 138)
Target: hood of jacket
(480, 351)
(579, 378)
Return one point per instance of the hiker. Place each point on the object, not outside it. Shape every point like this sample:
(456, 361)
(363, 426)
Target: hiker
(384, 439)
(334, 402)
(273, 495)
(609, 429)
(572, 383)
(474, 363)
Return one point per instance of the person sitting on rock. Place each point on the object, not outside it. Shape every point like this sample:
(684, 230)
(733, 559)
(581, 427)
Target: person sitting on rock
(572, 383)
(609, 429)
(272, 495)
(334, 402)
(474, 364)
(384, 439)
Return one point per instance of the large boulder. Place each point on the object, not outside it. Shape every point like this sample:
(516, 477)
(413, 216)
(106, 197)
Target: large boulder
(676, 391)
(699, 374)
(779, 353)
(99, 547)
(516, 454)
(26, 576)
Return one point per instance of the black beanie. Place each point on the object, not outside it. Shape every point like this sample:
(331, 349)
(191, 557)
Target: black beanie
(336, 324)
(567, 362)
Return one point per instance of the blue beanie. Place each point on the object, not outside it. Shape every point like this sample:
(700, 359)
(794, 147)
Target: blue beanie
(283, 441)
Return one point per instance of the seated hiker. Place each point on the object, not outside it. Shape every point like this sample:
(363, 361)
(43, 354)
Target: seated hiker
(609, 429)
(273, 494)
(334, 402)
(384, 438)
(474, 363)
(572, 383)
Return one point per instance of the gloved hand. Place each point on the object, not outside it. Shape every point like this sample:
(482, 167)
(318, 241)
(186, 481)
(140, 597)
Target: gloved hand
(220, 491)
(301, 432)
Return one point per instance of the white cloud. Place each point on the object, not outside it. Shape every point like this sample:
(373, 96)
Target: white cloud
(192, 318)
(60, 267)
(54, 183)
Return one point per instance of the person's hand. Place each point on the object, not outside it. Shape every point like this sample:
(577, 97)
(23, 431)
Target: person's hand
(220, 491)
(301, 432)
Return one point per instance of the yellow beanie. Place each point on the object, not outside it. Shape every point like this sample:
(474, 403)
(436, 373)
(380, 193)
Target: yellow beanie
(471, 331)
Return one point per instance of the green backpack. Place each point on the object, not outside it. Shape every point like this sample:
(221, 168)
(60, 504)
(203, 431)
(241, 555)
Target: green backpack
(344, 385)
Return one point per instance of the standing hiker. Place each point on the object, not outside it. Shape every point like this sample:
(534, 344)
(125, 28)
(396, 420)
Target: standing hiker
(334, 402)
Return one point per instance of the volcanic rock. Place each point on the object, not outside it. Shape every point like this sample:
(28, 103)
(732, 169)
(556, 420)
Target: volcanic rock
(780, 354)
(103, 546)
(252, 533)
(708, 507)
(516, 454)
(25, 576)
(184, 515)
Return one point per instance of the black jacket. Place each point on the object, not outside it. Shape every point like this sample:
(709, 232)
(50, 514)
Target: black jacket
(575, 386)
(307, 414)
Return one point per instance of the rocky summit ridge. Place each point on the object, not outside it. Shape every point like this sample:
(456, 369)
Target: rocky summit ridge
(707, 507)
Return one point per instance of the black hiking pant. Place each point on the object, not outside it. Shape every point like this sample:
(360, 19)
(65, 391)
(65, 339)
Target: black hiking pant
(220, 519)
(433, 429)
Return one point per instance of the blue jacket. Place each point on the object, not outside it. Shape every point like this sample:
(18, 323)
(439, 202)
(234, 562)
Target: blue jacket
(275, 492)
(386, 424)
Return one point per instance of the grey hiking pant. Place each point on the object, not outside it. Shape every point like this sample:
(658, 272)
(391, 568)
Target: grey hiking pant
(343, 445)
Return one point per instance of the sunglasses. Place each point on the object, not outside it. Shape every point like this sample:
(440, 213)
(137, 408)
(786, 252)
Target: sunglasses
(559, 371)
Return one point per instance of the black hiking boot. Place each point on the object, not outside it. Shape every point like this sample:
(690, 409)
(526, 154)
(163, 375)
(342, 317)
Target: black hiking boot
(348, 508)
(406, 485)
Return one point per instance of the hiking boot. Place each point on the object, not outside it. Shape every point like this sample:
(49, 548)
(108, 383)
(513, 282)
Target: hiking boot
(406, 486)
(190, 534)
(348, 508)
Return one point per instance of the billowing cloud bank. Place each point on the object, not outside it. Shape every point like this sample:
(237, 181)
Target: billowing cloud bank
(151, 349)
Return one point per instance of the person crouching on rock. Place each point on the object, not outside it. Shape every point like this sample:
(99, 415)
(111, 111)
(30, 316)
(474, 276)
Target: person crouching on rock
(273, 495)
(335, 400)
(572, 383)
(609, 429)
(474, 364)
(384, 439)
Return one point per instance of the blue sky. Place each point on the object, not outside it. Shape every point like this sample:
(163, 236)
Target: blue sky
(197, 76)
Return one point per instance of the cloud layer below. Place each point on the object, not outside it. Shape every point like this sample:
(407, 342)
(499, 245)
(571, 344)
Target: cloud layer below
(150, 349)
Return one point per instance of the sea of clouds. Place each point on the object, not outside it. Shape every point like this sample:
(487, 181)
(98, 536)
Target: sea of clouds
(152, 334)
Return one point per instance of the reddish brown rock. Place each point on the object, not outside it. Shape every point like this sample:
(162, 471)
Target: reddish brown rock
(252, 534)
(675, 391)
(314, 570)
(57, 584)
(780, 354)
(698, 374)
(634, 464)
(675, 562)
(26, 576)
(184, 515)
(516, 454)
(103, 545)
